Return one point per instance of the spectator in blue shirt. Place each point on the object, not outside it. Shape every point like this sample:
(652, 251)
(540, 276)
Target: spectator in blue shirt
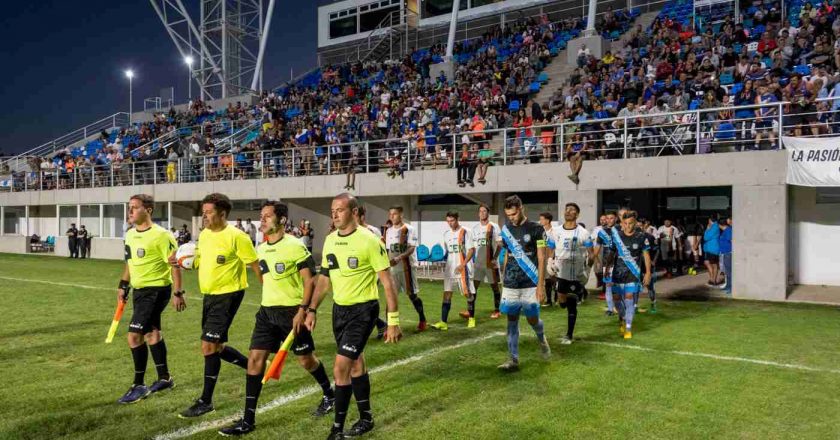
(725, 243)
(711, 249)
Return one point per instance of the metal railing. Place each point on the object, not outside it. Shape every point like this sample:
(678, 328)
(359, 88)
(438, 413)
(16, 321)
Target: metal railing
(117, 120)
(691, 132)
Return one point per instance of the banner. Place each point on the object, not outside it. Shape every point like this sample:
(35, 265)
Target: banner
(813, 161)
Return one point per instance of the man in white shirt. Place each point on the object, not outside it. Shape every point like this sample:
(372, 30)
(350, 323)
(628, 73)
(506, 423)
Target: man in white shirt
(460, 249)
(401, 240)
(669, 245)
(572, 245)
(488, 244)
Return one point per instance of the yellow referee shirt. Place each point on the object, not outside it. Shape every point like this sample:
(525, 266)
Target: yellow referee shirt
(351, 262)
(221, 258)
(147, 253)
(281, 263)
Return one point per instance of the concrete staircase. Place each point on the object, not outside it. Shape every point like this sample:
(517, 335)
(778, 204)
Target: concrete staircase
(558, 70)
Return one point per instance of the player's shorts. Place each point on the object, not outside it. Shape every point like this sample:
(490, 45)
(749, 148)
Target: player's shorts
(272, 326)
(623, 289)
(352, 326)
(148, 304)
(570, 286)
(405, 278)
(520, 301)
(712, 258)
(490, 275)
(218, 314)
(464, 283)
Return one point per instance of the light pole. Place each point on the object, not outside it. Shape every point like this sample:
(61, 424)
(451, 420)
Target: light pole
(130, 75)
(189, 61)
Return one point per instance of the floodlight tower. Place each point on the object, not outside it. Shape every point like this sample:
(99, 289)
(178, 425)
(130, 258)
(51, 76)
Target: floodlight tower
(227, 42)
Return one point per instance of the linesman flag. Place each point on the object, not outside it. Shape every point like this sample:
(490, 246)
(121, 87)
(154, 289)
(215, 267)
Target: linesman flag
(117, 316)
(279, 360)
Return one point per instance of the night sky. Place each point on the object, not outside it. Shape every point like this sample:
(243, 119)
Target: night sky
(64, 61)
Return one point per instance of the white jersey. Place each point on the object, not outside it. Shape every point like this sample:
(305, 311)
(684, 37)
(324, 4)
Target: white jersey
(668, 234)
(457, 244)
(570, 250)
(375, 230)
(400, 238)
(486, 238)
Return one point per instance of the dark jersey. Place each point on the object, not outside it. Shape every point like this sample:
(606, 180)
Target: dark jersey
(629, 264)
(653, 243)
(522, 241)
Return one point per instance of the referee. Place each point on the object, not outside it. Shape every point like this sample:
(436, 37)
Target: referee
(288, 271)
(353, 258)
(221, 256)
(147, 249)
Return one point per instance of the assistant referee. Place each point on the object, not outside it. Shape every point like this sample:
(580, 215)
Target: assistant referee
(147, 249)
(222, 253)
(353, 258)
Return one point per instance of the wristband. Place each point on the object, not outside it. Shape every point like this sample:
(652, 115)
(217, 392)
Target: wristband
(311, 310)
(304, 307)
(179, 293)
(393, 318)
(124, 285)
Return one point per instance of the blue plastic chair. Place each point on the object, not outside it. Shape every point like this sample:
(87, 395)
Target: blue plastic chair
(437, 254)
(423, 252)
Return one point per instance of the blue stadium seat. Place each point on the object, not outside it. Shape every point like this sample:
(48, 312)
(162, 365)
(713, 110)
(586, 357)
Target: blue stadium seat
(437, 254)
(423, 252)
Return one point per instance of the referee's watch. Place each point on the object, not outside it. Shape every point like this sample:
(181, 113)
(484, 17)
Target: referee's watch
(311, 310)
(179, 293)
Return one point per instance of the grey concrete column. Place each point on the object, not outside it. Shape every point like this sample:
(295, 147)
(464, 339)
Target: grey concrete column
(759, 242)
(590, 18)
(2, 221)
(588, 202)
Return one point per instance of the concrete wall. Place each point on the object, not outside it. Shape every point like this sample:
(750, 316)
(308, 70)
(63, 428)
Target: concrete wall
(217, 104)
(814, 239)
(759, 255)
(14, 244)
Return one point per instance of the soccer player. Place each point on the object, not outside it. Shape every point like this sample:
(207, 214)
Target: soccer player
(632, 250)
(460, 248)
(147, 251)
(605, 258)
(545, 220)
(353, 259)
(572, 244)
(401, 240)
(654, 255)
(524, 278)
(222, 254)
(288, 271)
(488, 239)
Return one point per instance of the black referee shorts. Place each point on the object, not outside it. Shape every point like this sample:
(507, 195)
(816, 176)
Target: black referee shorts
(570, 286)
(352, 326)
(272, 326)
(217, 315)
(148, 304)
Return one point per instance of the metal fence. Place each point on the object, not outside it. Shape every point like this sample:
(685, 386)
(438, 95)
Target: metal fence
(701, 131)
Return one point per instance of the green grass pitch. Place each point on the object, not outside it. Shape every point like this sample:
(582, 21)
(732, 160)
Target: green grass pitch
(708, 369)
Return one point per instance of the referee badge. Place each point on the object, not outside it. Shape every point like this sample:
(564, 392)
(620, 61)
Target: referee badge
(220, 259)
(141, 252)
(279, 267)
(352, 262)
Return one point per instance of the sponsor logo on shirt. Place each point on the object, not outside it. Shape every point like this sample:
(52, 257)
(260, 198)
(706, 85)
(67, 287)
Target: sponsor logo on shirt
(526, 238)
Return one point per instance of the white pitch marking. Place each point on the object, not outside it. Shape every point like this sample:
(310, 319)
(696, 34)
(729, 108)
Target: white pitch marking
(306, 391)
(717, 357)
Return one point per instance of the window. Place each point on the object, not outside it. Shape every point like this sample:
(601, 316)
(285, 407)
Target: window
(370, 20)
(343, 27)
(708, 203)
(828, 195)
(477, 3)
(66, 216)
(433, 8)
(14, 220)
(113, 225)
(90, 218)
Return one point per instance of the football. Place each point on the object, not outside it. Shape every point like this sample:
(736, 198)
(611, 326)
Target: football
(186, 255)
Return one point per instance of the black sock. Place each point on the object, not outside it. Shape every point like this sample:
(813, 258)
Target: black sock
(471, 305)
(361, 391)
(159, 356)
(320, 375)
(140, 354)
(571, 306)
(212, 365)
(418, 305)
(343, 393)
(229, 354)
(444, 311)
(253, 387)
(497, 297)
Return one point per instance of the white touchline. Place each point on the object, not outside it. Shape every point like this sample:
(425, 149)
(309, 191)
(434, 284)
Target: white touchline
(717, 357)
(306, 391)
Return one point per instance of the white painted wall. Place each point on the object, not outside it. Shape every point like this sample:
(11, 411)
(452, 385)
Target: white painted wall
(814, 231)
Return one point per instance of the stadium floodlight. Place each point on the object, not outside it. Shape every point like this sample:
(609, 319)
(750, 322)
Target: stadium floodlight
(188, 60)
(130, 75)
